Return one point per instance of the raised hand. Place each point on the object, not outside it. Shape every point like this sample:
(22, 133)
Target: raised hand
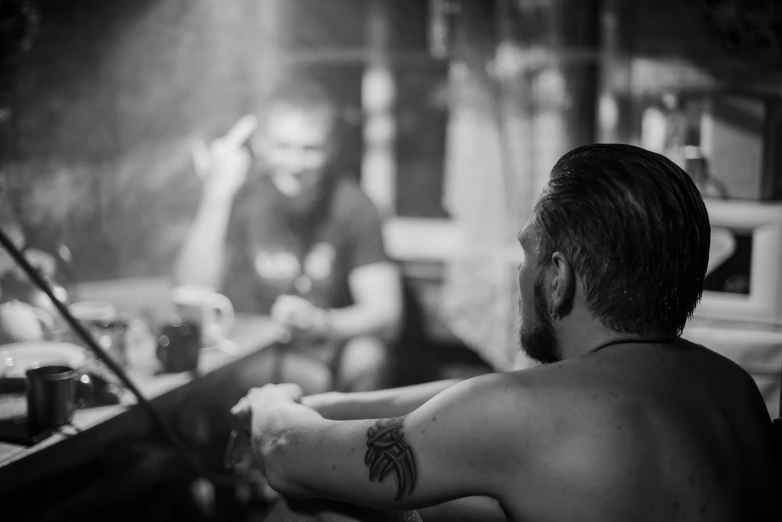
(223, 163)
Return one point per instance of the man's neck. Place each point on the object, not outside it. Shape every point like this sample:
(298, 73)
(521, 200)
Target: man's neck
(579, 334)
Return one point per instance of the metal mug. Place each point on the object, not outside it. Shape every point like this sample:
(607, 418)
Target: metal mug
(51, 395)
(178, 345)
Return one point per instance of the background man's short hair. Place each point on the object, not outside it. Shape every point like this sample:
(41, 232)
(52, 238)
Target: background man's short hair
(306, 95)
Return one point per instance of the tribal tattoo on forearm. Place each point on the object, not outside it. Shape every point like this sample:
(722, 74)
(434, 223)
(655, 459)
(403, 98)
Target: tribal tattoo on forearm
(387, 451)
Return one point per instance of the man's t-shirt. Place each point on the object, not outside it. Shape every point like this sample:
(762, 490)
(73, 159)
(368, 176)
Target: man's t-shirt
(265, 251)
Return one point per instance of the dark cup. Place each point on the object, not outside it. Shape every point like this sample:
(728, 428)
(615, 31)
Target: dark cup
(51, 395)
(178, 346)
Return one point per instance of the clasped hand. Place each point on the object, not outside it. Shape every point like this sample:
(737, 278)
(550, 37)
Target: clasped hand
(256, 419)
(300, 317)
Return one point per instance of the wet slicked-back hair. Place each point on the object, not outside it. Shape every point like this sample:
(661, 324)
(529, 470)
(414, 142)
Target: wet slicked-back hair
(636, 230)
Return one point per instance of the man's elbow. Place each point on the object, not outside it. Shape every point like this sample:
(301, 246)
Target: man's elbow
(288, 488)
(280, 475)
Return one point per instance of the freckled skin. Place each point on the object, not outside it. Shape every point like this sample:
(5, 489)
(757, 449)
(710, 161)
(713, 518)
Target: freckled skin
(689, 438)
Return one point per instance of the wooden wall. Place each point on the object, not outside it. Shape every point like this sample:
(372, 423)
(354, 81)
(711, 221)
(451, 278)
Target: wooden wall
(111, 95)
(106, 103)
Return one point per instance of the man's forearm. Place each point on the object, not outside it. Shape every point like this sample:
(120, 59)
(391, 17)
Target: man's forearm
(359, 320)
(318, 510)
(200, 262)
(394, 402)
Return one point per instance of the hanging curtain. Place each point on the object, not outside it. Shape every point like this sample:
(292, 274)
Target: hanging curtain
(480, 292)
(520, 100)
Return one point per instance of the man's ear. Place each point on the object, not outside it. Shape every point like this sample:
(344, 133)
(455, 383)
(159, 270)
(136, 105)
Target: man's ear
(563, 284)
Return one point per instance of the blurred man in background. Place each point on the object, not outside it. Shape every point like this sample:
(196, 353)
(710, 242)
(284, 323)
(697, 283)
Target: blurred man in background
(624, 419)
(281, 232)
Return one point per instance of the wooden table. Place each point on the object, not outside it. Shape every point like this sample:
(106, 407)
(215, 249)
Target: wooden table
(94, 428)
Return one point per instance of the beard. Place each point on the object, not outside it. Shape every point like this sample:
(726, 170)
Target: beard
(303, 204)
(307, 206)
(538, 340)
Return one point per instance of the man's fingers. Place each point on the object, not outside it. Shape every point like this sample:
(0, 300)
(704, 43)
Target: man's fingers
(237, 449)
(274, 391)
(291, 307)
(240, 132)
(291, 390)
(206, 154)
(202, 160)
(286, 308)
(241, 409)
(280, 312)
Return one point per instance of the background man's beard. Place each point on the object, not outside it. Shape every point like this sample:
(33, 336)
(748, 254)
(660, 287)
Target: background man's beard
(309, 203)
(537, 339)
(300, 205)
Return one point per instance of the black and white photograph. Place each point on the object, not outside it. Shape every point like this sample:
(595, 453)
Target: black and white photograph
(391, 260)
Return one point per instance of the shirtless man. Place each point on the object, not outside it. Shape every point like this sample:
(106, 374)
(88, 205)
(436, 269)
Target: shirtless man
(623, 421)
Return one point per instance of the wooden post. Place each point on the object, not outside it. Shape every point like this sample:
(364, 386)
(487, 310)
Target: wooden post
(614, 75)
(378, 93)
(560, 38)
(265, 65)
(515, 117)
(478, 292)
(523, 94)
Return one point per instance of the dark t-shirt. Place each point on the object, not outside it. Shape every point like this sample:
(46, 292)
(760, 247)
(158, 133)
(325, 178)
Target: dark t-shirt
(264, 249)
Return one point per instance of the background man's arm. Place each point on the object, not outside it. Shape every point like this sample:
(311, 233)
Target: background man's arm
(374, 280)
(202, 257)
(377, 293)
(393, 402)
(430, 456)
(223, 166)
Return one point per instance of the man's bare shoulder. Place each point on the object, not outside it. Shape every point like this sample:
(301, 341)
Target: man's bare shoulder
(538, 393)
(518, 409)
(644, 392)
(610, 425)
(559, 427)
(533, 409)
(589, 413)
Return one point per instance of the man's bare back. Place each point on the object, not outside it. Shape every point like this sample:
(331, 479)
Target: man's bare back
(647, 432)
(642, 432)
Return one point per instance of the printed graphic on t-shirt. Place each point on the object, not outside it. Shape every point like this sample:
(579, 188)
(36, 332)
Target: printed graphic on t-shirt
(320, 261)
(276, 265)
(284, 265)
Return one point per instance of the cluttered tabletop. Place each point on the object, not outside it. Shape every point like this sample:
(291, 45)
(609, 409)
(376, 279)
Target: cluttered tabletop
(115, 410)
